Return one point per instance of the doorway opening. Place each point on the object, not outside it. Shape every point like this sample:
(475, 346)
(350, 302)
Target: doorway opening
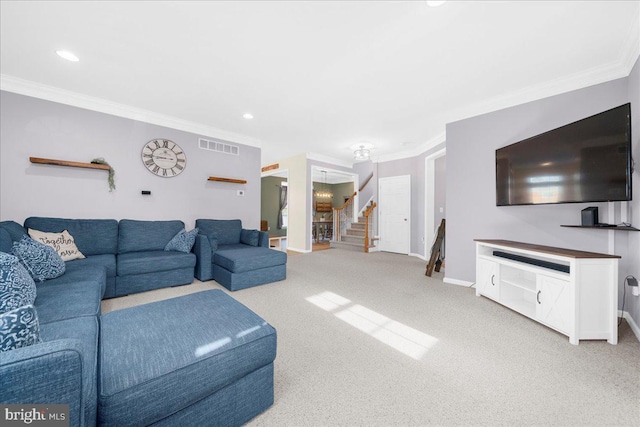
(329, 190)
(274, 207)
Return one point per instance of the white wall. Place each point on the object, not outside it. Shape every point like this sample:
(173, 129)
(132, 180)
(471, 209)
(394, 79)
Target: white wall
(39, 128)
(299, 207)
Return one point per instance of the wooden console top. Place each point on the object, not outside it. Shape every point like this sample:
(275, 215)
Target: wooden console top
(571, 253)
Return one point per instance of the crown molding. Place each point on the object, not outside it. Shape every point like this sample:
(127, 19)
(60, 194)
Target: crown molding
(630, 51)
(75, 99)
(596, 75)
(329, 159)
(414, 152)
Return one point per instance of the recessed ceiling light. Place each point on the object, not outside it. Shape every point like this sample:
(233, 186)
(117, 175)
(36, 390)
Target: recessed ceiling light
(248, 116)
(67, 55)
(435, 3)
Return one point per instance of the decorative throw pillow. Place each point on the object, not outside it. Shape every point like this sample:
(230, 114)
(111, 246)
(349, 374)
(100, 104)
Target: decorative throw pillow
(17, 288)
(19, 328)
(183, 241)
(249, 237)
(63, 243)
(41, 261)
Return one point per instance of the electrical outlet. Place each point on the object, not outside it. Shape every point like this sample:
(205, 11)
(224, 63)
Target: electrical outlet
(633, 284)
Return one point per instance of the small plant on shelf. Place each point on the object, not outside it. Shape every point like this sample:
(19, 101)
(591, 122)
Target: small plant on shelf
(112, 172)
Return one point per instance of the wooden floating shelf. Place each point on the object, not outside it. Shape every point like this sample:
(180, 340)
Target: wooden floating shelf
(616, 228)
(68, 163)
(233, 181)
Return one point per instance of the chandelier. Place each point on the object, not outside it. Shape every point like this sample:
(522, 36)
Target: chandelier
(361, 153)
(324, 193)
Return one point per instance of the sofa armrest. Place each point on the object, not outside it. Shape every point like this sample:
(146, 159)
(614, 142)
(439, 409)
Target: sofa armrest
(263, 239)
(204, 258)
(49, 372)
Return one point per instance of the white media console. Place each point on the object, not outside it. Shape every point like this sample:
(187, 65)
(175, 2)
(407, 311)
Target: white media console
(573, 292)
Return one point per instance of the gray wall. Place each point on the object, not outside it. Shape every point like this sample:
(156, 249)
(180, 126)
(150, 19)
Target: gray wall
(270, 203)
(440, 197)
(413, 166)
(39, 128)
(632, 303)
(471, 208)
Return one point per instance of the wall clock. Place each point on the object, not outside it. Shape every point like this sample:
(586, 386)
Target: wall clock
(163, 158)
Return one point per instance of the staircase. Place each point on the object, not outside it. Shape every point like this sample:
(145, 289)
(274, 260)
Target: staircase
(353, 237)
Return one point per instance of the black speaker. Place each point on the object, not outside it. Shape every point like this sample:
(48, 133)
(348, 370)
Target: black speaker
(590, 216)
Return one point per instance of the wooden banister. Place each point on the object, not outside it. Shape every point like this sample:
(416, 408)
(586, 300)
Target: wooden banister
(366, 182)
(366, 226)
(349, 200)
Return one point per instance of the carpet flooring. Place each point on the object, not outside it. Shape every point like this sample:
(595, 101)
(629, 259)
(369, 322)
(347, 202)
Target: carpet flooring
(368, 340)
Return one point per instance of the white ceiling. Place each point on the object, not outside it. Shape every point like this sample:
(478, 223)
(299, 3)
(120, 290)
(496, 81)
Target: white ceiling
(319, 77)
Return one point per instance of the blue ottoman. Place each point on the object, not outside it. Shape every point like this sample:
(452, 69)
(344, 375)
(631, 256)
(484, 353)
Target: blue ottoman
(199, 359)
(241, 268)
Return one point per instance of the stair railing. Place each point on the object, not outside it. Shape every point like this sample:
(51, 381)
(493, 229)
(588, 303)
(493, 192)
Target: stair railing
(368, 226)
(342, 218)
(366, 181)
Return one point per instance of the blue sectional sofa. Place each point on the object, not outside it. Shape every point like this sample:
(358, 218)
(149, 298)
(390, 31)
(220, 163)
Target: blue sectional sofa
(235, 257)
(132, 251)
(200, 359)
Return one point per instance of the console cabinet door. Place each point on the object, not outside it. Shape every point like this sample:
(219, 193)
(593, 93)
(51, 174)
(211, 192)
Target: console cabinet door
(487, 279)
(553, 303)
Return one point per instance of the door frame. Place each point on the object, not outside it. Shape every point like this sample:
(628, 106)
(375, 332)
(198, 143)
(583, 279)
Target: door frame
(430, 199)
(284, 173)
(381, 207)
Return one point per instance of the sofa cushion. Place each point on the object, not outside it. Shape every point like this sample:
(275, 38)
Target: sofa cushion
(183, 241)
(15, 232)
(153, 261)
(65, 299)
(238, 260)
(92, 236)
(227, 230)
(17, 287)
(107, 260)
(19, 328)
(63, 243)
(5, 241)
(41, 261)
(83, 331)
(186, 348)
(249, 237)
(137, 236)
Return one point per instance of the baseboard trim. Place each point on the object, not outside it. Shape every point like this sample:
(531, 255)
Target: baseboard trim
(302, 251)
(458, 282)
(422, 257)
(634, 326)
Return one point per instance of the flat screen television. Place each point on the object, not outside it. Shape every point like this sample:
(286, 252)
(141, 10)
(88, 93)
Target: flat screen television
(585, 161)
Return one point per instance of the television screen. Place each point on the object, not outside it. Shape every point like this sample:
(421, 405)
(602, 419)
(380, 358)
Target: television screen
(585, 161)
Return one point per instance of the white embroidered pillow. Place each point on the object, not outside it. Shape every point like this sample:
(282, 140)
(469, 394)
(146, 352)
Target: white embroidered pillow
(63, 243)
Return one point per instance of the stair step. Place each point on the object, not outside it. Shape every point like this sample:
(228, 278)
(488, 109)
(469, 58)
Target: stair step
(353, 239)
(356, 232)
(358, 225)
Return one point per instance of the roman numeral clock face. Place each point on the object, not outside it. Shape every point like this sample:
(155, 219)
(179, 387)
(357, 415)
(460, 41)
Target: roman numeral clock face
(163, 158)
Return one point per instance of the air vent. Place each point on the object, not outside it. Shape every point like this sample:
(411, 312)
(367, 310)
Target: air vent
(219, 145)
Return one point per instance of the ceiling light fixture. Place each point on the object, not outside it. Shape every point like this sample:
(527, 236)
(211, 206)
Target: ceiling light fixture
(324, 193)
(248, 116)
(362, 153)
(67, 55)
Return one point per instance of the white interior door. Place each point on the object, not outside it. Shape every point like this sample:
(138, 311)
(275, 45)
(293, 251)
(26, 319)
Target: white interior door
(394, 198)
